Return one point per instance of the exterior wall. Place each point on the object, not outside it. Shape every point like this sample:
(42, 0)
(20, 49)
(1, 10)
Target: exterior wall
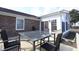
(62, 19)
(29, 24)
(7, 22)
(65, 22)
(51, 18)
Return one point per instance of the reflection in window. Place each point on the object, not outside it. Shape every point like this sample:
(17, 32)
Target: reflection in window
(19, 24)
(53, 24)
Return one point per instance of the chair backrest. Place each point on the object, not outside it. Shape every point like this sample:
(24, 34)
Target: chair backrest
(33, 28)
(69, 35)
(4, 38)
(58, 40)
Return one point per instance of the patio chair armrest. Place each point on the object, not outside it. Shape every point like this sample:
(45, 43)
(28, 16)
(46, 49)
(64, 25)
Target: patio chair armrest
(8, 41)
(67, 39)
(3, 41)
(14, 38)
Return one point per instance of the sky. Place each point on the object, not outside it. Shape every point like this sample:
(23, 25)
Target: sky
(39, 7)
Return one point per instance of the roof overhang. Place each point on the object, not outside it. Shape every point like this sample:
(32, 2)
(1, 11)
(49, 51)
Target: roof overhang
(55, 13)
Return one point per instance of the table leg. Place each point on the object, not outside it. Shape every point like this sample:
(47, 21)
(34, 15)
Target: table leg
(48, 39)
(19, 47)
(75, 39)
(34, 46)
(54, 38)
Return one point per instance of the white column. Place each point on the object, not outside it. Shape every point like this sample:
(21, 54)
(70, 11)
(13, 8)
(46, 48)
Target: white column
(64, 20)
(77, 40)
(49, 26)
(40, 26)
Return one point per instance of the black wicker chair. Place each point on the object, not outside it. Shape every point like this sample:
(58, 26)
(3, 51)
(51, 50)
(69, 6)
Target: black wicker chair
(69, 36)
(53, 47)
(10, 45)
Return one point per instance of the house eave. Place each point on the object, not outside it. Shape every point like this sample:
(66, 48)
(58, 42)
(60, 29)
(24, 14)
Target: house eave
(55, 13)
(5, 10)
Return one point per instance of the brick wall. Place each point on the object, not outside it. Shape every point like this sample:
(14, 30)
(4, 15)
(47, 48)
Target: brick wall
(9, 23)
(31, 23)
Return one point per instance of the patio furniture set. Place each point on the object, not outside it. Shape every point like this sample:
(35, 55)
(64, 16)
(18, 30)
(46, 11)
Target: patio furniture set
(13, 44)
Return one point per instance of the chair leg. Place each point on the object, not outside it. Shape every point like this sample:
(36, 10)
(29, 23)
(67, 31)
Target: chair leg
(75, 39)
(19, 48)
(34, 46)
(40, 44)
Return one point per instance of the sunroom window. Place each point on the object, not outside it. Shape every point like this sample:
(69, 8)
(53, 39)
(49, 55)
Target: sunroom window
(20, 24)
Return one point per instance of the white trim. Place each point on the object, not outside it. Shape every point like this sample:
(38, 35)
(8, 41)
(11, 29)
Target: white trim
(61, 22)
(16, 15)
(55, 13)
(49, 25)
(40, 26)
(77, 40)
(23, 23)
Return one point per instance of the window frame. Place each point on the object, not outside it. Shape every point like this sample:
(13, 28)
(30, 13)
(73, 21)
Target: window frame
(54, 23)
(23, 23)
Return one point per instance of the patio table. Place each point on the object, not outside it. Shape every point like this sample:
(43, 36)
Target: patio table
(35, 36)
